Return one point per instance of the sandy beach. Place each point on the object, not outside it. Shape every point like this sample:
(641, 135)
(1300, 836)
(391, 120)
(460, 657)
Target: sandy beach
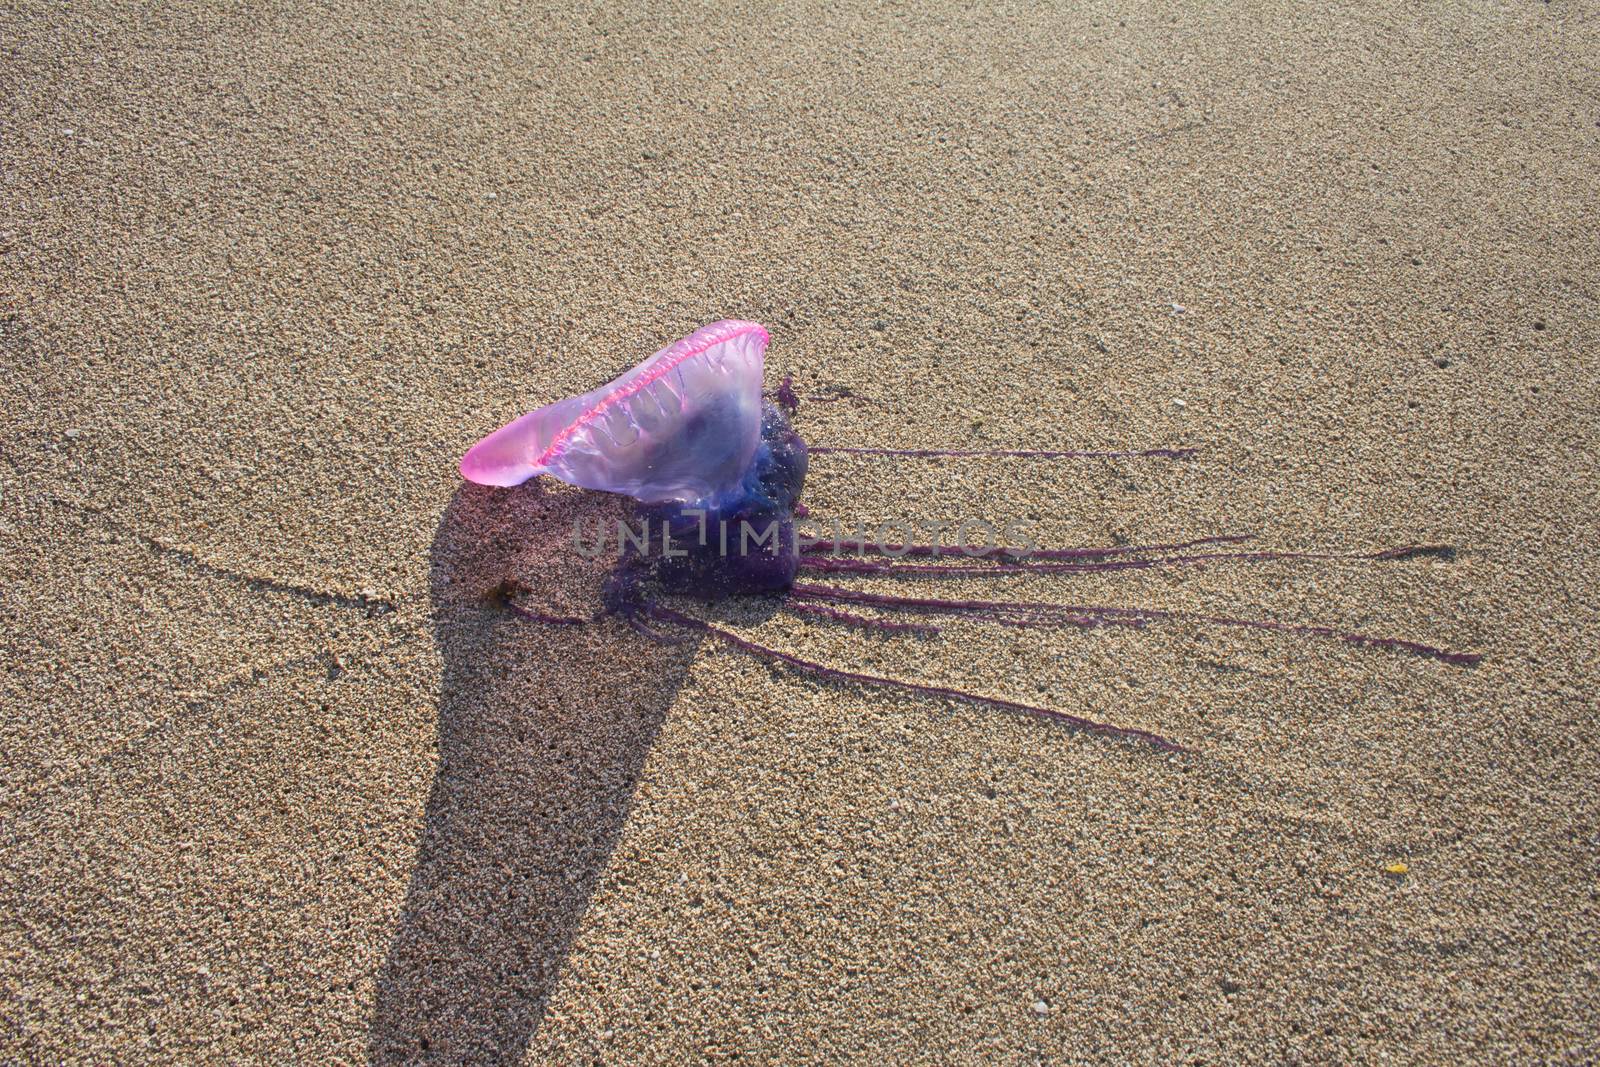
(284, 782)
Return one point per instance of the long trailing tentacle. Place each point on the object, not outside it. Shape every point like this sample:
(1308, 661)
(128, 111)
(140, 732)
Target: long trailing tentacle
(863, 621)
(665, 614)
(1024, 453)
(877, 548)
(1000, 565)
(978, 570)
(639, 626)
(1349, 637)
(1008, 612)
(1037, 614)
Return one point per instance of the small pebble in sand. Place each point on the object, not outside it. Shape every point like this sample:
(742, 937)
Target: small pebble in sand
(1041, 1007)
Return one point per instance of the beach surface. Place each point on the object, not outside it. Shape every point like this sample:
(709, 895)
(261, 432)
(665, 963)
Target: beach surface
(284, 782)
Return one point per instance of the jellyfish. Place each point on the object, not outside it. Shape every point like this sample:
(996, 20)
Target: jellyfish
(716, 470)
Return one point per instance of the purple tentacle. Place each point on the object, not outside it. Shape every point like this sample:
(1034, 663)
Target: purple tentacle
(876, 548)
(668, 615)
(1025, 565)
(863, 621)
(1462, 659)
(1029, 453)
(866, 566)
(639, 626)
(1004, 612)
(1388, 554)
(1031, 614)
(785, 395)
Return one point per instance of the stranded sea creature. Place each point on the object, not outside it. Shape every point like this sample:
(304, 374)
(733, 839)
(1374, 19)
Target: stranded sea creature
(717, 471)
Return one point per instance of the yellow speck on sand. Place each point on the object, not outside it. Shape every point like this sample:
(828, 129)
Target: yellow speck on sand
(1397, 868)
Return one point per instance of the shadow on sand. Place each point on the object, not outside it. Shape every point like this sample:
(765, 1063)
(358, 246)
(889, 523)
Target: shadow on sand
(543, 732)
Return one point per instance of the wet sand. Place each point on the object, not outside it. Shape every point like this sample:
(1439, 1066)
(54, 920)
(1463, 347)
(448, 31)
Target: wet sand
(283, 783)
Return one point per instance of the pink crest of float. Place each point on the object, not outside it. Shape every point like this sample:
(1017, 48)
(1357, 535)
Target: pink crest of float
(682, 425)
